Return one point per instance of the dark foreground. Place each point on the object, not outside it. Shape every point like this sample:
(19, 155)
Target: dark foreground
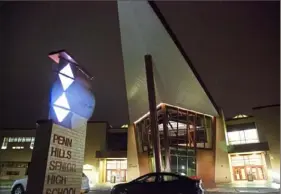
(7, 191)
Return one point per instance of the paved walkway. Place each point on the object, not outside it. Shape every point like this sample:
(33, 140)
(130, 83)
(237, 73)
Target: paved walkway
(247, 188)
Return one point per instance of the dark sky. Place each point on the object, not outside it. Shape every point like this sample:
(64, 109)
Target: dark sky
(233, 45)
(235, 48)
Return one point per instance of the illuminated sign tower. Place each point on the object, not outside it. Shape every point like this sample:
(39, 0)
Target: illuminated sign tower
(71, 96)
(58, 152)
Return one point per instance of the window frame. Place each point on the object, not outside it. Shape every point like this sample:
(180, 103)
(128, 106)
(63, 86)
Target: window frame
(243, 139)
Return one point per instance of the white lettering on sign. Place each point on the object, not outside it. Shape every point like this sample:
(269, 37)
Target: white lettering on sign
(61, 191)
(65, 161)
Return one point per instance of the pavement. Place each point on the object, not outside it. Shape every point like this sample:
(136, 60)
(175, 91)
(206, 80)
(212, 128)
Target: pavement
(245, 191)
(220, 189)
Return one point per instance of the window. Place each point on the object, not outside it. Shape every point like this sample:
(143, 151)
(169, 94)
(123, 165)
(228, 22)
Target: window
(11, 139)
(111, 165)
(117, 141)
(116, 164)
(242, 160)
(28, 139)
(18, 140)
(167, 178)
(5, 143)
(243, 137)
(32, 143)
(240, 116)
(146, 179)
(124, 164)
(17, 147)
(12, 173)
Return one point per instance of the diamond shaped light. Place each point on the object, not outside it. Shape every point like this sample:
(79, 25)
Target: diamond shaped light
(67, 71)
(65, 81)
(62, 101)
(60, 113)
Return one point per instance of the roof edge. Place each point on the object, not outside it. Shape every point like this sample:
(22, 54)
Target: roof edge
(182, 51)
(266, 106)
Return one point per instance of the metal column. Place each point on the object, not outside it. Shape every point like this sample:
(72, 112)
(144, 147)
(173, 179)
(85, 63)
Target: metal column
(153, 112)
(166, 139)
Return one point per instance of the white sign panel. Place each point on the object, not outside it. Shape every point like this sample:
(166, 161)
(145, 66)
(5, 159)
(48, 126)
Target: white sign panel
(65, 160)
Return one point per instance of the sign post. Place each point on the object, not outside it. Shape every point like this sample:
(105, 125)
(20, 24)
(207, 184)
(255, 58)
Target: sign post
(58, 154)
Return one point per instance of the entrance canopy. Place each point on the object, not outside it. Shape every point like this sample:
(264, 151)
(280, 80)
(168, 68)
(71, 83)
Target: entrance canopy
(143, 31)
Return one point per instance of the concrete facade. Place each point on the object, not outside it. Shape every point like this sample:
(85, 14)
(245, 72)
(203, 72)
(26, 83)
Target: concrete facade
(132, 154)
(265, 122)
(222, 173)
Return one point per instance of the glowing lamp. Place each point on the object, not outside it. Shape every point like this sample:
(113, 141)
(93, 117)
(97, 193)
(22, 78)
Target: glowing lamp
(71, 97)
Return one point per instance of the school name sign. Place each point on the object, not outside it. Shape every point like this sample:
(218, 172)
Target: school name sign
(65, 161)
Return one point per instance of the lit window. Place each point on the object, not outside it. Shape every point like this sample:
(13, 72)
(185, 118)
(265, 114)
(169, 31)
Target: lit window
(234, 137)
(240, 116)
(28, 139)
(5, 143)
(242, 160)
(19, 139)
(32, 143)
(23, 139)
(17, 147)
(11, 139)
(243, 137)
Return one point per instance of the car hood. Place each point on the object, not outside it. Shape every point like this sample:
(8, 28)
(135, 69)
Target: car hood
(119, 185)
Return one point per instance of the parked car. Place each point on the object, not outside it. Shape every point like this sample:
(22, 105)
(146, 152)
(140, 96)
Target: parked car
(19, 186)
(164, 183)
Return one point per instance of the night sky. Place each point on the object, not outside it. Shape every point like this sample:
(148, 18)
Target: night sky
(234, 46)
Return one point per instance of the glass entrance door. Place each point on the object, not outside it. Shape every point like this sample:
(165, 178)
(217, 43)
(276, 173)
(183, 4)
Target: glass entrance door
(116, 170)
(248, 167)
(257, 172)
(248, 172)
(239, 173)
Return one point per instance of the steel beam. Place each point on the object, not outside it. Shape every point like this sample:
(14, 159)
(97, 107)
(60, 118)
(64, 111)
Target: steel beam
(153, 112)
(166, 139)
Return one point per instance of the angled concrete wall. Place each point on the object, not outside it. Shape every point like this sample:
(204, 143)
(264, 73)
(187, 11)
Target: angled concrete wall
(143, 33)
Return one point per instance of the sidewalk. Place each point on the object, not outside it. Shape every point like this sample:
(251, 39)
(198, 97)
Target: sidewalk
(103, 186)
(220, 189)
(246, 187)
(242, 190)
